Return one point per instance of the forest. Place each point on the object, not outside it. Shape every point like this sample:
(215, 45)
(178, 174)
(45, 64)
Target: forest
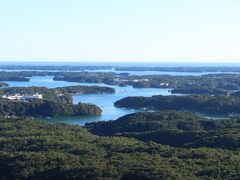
(46, 108)
(52, 103)
(212, 84)
(84, 90)
(30, 149)
(3, 84)
(225, 105)
(123, 68)
(174, 128)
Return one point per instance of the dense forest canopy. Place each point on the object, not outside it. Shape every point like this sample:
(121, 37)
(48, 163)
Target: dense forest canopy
(198, 103)
(84, 90)
(52, 104)
(3, 84)
(47, 108)
(34, 150)
(178, 129)
(57, 93)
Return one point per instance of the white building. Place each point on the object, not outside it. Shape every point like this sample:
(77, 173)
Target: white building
(34, 96)
(23, 97)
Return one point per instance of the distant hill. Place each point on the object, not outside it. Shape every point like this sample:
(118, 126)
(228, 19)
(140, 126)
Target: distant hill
(178, 129)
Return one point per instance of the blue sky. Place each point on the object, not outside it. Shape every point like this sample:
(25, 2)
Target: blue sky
(123, 30)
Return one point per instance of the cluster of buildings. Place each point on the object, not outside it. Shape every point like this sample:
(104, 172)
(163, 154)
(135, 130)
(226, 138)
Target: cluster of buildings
(21, 97)
(130, 80)
(164, 84)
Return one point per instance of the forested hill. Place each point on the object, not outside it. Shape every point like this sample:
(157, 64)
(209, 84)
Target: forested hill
(175, 128)
(46, 108)
(55, 102)
(198, 103)
(84, 90)
(34, 150)
(52, 93)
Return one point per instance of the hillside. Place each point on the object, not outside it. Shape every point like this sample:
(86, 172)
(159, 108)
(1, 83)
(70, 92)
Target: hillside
(34, 150)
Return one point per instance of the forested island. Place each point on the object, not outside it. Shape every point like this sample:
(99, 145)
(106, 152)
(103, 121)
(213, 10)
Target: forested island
(207, 84)
(36, 150)
(46, 108)
(11, 76)
(123, 68)
(225, 105)
(84, 90)
(199, 91)
(54, 102)
(212, 84)
(3, 84)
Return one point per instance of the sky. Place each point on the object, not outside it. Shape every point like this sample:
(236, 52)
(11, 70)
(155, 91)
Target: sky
(120, 30)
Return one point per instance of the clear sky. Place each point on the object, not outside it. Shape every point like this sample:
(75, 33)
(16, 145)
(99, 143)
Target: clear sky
(120, 30)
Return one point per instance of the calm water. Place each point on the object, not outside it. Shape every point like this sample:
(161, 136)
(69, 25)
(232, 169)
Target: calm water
(133, 73)
(104, 101)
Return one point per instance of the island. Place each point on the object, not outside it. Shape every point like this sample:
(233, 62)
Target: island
(218, 105)
(199, 90)
(84, 90)
(3, 84)
(46, 108)
(211, 84)
(41, 101)
(11, 76)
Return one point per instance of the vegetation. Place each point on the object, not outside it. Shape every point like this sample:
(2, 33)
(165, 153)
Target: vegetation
(34, 150)
(6, 76)
(85, 77)
(84, 90)
(212, 83)
(55, 102)
(122, 68)
(3, 84)
(206, 104)
(46, 108)
(199, 91)
(181, 69)
(47, 93)
(178, 129)
(236, 94)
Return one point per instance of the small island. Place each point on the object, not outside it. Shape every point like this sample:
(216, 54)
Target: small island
(84, 90)
(218, 105)
(42, 102)
(3, 84)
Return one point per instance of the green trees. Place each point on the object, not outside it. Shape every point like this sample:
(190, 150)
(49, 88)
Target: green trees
(11, 76)
(55, 102)
(47, 108)
(3, 84)
(178, 129)
(34, 150)
(84, 90)
(207, 104)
